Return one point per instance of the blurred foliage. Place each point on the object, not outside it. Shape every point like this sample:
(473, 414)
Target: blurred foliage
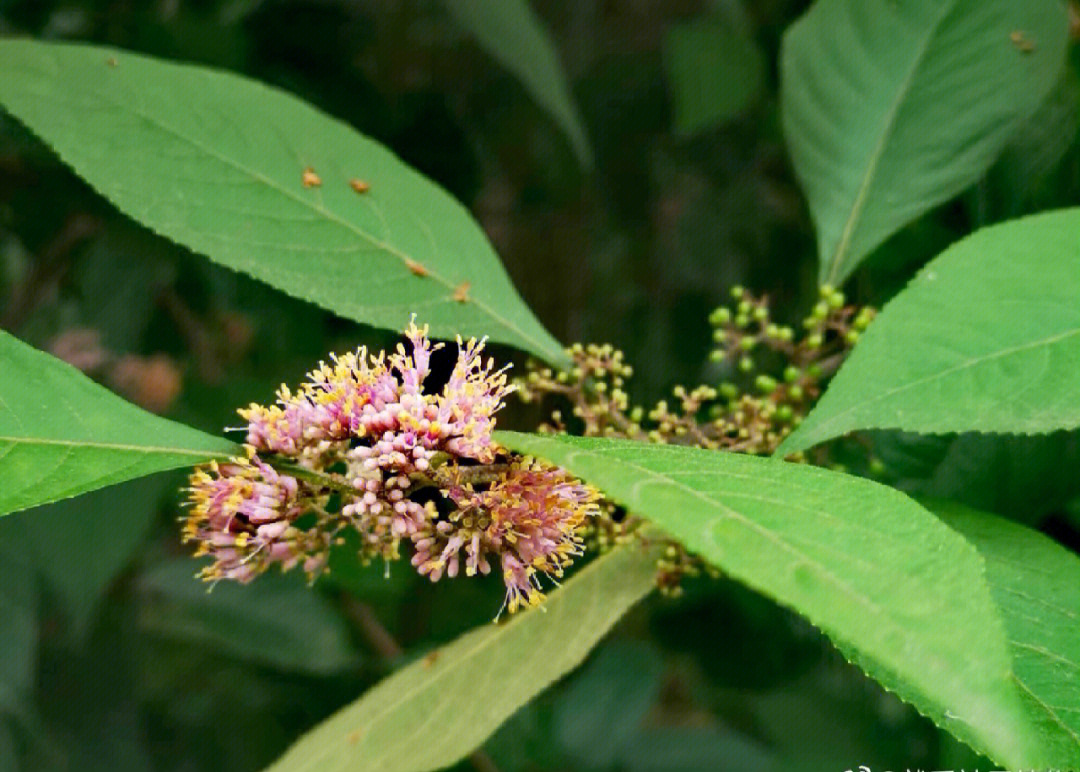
(109, 660)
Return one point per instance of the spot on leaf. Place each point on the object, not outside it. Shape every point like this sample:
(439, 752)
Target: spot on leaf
(416, 268)
(1022, 42)
(461, 292)
(310, 178)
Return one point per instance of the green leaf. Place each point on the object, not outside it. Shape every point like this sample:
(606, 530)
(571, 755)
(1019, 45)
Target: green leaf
(869, 566)
(277, 620)
(434, 712)
(514, 37)
(1036, 583)
(714, 72)
(216, 163)
(985, 338)
(890, 108)
(80, 545)
(61, 434)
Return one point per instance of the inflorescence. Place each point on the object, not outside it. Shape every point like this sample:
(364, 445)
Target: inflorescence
(774, 375)
(362, 445)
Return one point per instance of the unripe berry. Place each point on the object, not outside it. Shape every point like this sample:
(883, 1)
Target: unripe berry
(720, 316)
(765, 384)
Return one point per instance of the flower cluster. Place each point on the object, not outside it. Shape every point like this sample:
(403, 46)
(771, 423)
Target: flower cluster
(243, 514)
(768, 376)
(531, 516)
(362, 445)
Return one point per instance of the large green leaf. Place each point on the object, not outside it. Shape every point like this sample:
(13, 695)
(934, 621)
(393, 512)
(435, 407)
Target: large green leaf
(61, 434)
(434, 712)
(869, 566)
(217, 163)
(1036, 583)
(890, 108)
(513, 35)
(985, 338)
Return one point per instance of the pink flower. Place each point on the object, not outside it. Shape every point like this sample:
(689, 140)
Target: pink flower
(530, 518)
(242, 515)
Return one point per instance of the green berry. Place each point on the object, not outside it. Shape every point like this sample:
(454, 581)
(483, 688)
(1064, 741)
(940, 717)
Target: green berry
(765, 384)
(720, 316)
(747, 344)
(746, 364)
(791, 373)
(795, 392)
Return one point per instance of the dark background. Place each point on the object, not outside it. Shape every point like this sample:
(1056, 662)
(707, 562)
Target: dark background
(113, 658)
